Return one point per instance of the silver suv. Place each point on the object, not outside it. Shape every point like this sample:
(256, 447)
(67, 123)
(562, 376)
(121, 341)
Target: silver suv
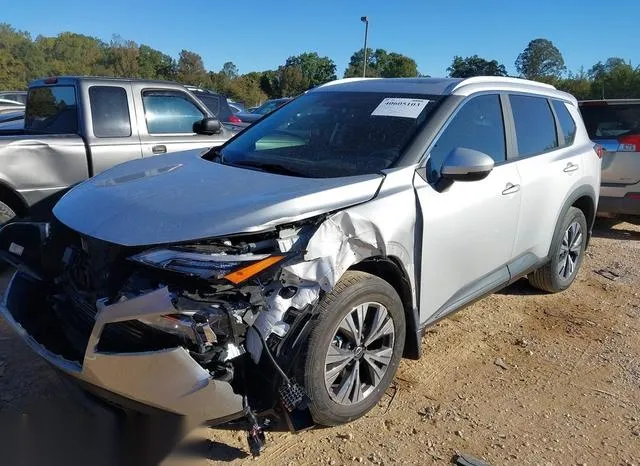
(295, 265)
(615, 125)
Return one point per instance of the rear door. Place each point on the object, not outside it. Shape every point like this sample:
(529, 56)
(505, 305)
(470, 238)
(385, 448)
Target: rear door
(615, 125)
(112, 136)
(165, 120)
(550, 167)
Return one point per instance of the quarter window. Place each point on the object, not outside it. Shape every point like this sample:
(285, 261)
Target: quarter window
(567, 125)
(478, 125)
(535, 126)
(52, 109)
(170, 112)
(109, 112)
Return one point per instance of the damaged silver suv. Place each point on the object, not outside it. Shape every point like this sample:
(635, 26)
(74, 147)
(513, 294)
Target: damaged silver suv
(290, 269)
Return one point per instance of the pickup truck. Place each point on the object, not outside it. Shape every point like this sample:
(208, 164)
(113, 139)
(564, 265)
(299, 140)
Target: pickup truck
(77, 127)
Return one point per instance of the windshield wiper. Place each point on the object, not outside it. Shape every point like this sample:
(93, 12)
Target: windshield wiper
(267, 167)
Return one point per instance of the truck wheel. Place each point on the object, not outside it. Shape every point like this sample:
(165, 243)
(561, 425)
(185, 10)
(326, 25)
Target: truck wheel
(6, 213)
(566, 255)
(354, 349)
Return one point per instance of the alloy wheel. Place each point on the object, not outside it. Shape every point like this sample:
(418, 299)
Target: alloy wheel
(570, 250)
(359, 353)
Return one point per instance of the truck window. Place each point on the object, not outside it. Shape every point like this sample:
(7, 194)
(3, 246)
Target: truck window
(109, 112)
(170, 112)
(52, 109)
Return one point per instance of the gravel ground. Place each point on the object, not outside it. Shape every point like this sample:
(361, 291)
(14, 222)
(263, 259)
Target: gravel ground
(518, 378)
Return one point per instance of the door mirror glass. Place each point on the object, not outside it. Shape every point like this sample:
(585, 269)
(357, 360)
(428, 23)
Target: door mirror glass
(464, 164)
(207, 126)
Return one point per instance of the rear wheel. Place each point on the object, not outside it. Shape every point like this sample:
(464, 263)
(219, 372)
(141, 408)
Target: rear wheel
(567, 253)
(354, 349)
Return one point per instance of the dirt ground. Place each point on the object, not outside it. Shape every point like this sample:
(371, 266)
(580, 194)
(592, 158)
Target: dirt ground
(518, 378)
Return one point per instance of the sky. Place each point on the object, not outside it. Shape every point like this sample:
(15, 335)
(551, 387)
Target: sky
(259, 35)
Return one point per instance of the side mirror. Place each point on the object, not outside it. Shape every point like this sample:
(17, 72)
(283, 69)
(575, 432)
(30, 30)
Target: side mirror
(207, 126)
(464, 164)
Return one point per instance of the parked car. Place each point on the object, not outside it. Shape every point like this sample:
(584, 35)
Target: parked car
(12, 116)
(10, 106)
(293, 267)
(77, 127)
(615, 125)
(264, 109)
(16, 96)
(236, 106)
(218, 106)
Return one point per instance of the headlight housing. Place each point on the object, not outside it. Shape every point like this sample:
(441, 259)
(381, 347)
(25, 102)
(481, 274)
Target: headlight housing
(235, 268)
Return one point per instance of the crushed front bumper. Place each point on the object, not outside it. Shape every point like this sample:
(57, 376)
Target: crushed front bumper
(169, 380)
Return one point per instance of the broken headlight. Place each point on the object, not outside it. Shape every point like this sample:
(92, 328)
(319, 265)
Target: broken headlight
(206, 265)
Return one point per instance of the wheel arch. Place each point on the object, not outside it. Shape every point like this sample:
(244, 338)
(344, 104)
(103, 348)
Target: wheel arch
(390, 269)
(583, 198)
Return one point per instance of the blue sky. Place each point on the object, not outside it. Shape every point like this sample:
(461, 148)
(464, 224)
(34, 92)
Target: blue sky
(258, 35)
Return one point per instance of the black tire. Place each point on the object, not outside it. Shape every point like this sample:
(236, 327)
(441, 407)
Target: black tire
(6, 213)
(547, 278)
(353, 289)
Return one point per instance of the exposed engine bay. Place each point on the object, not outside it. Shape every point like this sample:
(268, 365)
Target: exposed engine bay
(238, 306)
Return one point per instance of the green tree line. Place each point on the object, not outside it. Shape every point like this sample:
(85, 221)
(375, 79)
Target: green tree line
(23, 59)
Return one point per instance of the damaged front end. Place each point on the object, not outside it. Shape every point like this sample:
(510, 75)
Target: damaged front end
(183, 328)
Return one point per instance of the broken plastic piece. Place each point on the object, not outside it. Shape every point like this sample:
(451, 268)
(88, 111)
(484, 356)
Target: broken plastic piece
(255, 433)
(292, 396)
(463, 459)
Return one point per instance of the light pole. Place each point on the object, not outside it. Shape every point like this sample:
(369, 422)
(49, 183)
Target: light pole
(365, 20)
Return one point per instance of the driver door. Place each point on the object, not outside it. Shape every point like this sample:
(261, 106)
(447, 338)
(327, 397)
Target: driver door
(468, 229)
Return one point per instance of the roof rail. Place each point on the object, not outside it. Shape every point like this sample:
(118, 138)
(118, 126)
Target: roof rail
(500, 79)
(344, 80)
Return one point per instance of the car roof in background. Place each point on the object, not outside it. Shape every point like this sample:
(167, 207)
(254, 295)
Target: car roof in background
(609, 102)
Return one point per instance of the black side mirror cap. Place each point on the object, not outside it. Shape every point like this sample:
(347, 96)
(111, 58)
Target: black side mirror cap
(207, 126)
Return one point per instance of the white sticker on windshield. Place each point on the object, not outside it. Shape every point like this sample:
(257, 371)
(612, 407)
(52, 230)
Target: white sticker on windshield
(400, 107)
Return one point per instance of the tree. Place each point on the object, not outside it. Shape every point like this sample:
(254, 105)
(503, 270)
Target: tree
(540, 59)
(154, 64)
(397, 65)
(191, 69)
(74, 54)
(230, 70)
(123, 57)
(354, 69)
(315, 69)
(475, 66)
(615, 78)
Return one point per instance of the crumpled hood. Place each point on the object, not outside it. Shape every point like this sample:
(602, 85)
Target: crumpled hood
(182, 197)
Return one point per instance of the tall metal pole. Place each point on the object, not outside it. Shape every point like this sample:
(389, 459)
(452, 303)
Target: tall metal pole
(365, 20)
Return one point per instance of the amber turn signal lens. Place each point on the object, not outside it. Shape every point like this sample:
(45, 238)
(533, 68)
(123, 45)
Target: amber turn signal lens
(240, 275)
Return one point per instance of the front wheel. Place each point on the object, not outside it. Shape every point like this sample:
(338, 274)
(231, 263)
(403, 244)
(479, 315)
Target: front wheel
(566, 255)
(354, 349)
(6, 213)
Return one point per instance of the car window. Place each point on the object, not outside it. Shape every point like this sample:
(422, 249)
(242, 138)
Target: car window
(567, 125)
(212, 101)
(109, 112)
(170, 112)
(610, 121)
(332, 134)
(535, 125)
(477, 125)
(52, 109)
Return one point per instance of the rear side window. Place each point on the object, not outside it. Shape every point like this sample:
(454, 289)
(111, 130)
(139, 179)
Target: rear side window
(567, 125)
(535, 126)
(52, 109)
(478, 125)
(170, 112)
(109, 112)
(611, 121)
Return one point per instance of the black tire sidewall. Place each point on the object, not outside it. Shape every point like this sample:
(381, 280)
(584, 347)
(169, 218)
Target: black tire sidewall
(371, 289)
(573, 214)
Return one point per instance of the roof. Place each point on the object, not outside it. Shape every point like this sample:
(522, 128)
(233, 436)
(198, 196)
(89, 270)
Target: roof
(610, 101)
(443, 86)
(71, 79)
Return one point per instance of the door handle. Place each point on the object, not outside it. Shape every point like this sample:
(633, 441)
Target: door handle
(160, 149)
(571, 167)
(510, 189)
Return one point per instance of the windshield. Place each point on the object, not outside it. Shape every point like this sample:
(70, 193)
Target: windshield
(611, 121)
(332, 134)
